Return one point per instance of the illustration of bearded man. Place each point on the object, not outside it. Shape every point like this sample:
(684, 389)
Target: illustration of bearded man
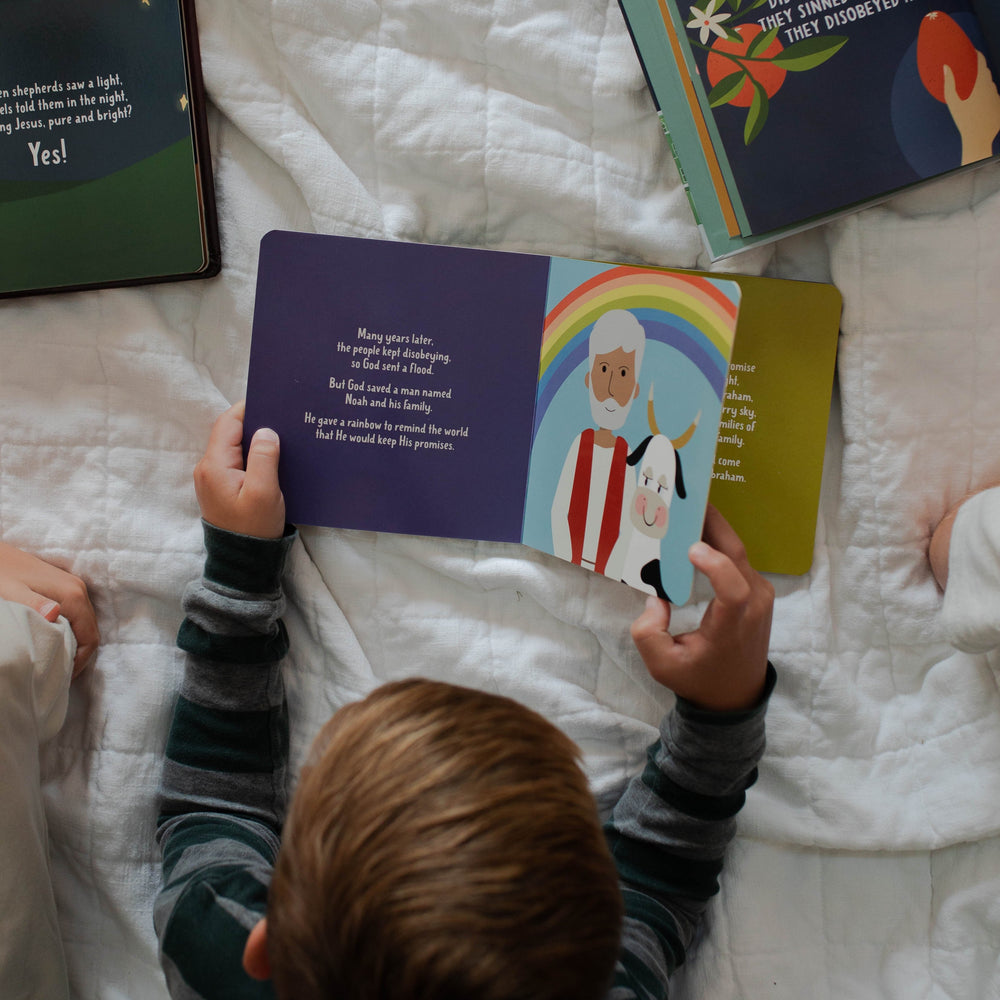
(595, 486)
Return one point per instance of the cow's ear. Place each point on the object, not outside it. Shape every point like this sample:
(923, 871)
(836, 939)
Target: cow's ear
(640, 450)
(679, 481)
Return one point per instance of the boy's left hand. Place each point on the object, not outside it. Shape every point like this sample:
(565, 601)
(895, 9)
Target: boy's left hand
(247, 502)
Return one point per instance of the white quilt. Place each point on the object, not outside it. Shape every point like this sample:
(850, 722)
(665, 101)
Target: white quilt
(868, 864)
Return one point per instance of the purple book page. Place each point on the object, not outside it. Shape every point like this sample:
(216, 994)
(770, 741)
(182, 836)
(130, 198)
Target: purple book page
(401, 379)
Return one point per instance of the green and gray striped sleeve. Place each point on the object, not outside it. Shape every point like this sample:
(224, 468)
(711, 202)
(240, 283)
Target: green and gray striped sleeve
(223, 793)
(669, 832)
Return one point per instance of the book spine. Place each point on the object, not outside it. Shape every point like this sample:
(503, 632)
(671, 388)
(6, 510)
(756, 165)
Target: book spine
(680, 168)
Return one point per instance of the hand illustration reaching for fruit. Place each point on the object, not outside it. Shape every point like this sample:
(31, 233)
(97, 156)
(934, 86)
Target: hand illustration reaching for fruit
(957, 74)
(977, 117)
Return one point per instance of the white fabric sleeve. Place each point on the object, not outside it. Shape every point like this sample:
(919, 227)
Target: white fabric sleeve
(36, 664)
(970, 614)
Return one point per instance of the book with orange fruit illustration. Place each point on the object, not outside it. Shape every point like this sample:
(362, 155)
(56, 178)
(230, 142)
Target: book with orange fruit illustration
(784, 113)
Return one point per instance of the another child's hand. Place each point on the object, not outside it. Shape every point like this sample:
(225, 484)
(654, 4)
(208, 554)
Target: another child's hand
(722, 665)
(28, 580)
(940, 546)
(245, 502)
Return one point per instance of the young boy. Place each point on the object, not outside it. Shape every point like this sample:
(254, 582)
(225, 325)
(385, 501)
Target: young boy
(442, 842)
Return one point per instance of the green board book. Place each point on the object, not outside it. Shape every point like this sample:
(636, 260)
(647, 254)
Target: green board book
(105, 172)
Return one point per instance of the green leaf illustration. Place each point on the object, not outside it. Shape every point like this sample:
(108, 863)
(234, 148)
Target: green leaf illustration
(809, 54)
(757, 115)
(762, 41)
(727, 88)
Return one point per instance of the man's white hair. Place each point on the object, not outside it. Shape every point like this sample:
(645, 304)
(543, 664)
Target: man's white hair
(618, 328)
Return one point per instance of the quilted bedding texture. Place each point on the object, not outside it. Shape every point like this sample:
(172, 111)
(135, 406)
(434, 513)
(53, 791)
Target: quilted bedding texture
(868, 861)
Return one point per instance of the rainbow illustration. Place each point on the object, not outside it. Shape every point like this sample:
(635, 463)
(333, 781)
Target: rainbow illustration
(696, 315)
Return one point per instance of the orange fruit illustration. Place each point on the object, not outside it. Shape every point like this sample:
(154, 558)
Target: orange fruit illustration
(941, 42)
(768, 76)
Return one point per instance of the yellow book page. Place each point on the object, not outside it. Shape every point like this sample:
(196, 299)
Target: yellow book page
(769, 457)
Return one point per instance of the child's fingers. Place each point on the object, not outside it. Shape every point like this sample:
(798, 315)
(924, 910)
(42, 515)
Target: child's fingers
(262, 456)
(721, 535)
(729, 583)
(654, 619)
(73, 603)
(21, 593)
(70, 592)
(219, 471)
(262, 464)
(651, 636)
(225, 441)
(79, 612)
(260, 496)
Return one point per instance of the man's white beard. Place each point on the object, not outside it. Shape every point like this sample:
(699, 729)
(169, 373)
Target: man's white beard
(609, 414)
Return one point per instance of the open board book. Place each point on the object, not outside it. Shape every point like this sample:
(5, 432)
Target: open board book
(590, 410)
(784, 113)
(105, 174)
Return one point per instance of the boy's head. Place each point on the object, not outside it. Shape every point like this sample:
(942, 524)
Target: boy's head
(442, 843)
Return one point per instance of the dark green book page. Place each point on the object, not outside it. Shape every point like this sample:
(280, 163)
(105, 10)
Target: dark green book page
(99, 179)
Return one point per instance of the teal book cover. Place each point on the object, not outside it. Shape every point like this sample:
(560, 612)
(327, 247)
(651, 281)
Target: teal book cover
(105, 172)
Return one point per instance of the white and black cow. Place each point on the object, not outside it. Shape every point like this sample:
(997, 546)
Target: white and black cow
(659, 477)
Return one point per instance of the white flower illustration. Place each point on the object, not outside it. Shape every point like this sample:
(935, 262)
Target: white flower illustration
(708, 21)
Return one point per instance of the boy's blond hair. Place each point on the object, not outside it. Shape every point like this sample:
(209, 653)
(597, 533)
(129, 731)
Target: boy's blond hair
(443, 843)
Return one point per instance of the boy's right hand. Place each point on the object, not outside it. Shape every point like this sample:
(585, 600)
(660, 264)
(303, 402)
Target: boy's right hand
(722, 665)
(247, 502)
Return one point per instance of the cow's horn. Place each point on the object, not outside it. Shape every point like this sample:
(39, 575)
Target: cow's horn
(687, 435)
(650, 414)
